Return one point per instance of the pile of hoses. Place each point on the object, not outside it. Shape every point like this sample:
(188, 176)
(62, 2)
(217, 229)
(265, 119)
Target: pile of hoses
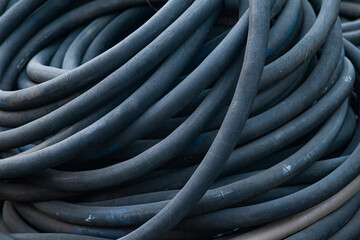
(179, 119)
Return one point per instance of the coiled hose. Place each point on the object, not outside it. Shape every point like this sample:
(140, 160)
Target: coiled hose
(169, 119)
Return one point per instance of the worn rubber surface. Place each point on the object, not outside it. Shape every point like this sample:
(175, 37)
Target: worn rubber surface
(191, 119)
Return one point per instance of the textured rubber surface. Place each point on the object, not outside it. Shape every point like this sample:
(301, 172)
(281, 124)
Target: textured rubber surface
(169, 119)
